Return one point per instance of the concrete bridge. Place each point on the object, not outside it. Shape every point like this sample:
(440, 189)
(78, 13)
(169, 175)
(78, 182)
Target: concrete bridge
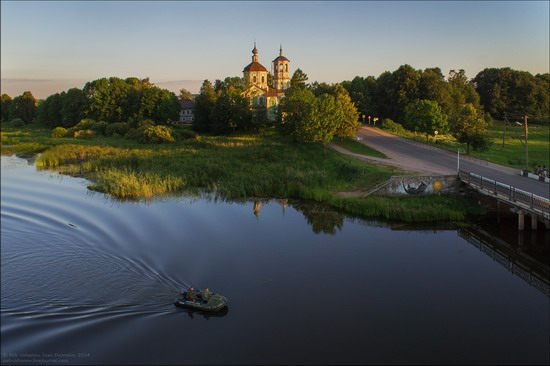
(521, 202)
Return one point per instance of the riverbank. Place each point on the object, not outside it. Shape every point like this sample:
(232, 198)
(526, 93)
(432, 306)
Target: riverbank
(240, 166)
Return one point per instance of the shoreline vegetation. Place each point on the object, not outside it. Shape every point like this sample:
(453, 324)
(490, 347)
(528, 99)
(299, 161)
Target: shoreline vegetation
(261, 165)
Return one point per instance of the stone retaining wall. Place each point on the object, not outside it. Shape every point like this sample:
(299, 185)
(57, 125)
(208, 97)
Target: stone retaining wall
(421, 185)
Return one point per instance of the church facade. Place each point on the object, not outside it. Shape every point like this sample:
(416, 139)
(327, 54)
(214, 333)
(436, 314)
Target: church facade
(265, 93)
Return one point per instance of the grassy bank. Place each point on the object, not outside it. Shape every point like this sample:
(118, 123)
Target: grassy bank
(509, 151)
(241, 166)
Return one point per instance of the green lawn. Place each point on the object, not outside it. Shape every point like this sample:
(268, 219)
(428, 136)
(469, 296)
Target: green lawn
(356, 147)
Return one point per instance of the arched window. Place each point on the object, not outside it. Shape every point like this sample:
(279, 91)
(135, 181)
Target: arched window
(286, 67)
(254, 79)
(263, 79)
(280, 67)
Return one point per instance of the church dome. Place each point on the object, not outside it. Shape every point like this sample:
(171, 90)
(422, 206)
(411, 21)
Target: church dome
(255, 66)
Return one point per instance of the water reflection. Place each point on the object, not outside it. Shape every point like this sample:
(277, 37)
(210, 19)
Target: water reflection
(413, 294)
(321, 217)
(515, 260)
(204, 314)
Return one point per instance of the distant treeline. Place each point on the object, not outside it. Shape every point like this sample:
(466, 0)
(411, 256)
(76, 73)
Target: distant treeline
(106, 99)
(493, 90)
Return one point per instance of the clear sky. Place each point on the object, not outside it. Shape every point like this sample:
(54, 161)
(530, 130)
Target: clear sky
(48, 46)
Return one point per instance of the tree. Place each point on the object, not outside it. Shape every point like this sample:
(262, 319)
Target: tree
(322, 88)
(432, 86)
(297, 106)
(507, 90)
(185, 94)
(49, 111)
(75, 107)
(204, 103)
(5, 107)
(324, 122)
(348, 124)
(159, 105)
(426, 116)
(109, 99)
(230, 112)
(298, 79)
(470, 127)
(24, 107)
(363, 93)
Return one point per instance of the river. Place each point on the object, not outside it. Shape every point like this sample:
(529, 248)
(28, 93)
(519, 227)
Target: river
(86, 279)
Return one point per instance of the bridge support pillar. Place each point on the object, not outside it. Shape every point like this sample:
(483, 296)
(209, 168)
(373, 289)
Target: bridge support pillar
(521, 220)
(534, 221)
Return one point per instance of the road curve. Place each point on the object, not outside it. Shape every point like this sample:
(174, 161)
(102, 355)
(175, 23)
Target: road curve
(420, 157)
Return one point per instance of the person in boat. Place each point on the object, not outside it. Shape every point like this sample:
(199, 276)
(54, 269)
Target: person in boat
(206, 295)
(191, 294)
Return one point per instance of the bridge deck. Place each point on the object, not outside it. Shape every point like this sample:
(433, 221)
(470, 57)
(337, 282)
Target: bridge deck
(528, 202)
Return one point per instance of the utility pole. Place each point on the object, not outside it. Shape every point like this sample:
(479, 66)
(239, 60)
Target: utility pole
(526, 146)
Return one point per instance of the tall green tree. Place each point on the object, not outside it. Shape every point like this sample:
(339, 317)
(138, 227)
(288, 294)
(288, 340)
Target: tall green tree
(299, 79)
(204, 103)
(49, 111)
(433, 86)
(108, 99)
(75, 107)
(23, 106)
(5, 107)
(349, 124)
(297, 106)
(426, 116)
(231, 111)
(471, 128)
(159, 105)
(323, 124)
(519, 92)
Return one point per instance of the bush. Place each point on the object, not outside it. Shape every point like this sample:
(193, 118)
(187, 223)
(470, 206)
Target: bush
(59, 132)
(135, 134)
(100, 127)
(144, 123)
(84, 134)
(157, 135)
(17, 122)
(184, 134)
(118, 127)
(393, 127)
(85, 124)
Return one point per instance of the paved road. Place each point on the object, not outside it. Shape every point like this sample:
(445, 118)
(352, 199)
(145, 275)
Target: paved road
(419, 157)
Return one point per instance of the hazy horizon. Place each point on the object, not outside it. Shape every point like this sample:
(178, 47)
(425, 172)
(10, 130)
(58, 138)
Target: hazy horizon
(48, 47)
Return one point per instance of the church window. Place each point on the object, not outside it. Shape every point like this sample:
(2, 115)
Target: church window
(286, 67)
(263, 79)
(281, 67)
(254, 79)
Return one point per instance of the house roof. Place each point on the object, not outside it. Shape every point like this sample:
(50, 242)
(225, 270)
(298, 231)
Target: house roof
(186, 104)
(255, 66)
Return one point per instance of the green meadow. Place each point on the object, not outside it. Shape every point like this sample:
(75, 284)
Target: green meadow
(264, 165)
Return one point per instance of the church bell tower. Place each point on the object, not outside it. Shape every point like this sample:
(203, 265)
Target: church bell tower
(281, 73)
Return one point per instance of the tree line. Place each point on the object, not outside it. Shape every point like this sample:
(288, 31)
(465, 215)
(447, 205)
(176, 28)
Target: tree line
(492, 90)
(107, 99)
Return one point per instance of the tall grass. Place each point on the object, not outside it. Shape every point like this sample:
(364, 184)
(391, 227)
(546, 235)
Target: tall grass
(238, 167)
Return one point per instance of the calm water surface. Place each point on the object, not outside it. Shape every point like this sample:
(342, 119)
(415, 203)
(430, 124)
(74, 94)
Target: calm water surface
(88, 280)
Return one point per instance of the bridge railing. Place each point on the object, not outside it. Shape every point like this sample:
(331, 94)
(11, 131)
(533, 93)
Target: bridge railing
(511, 193)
